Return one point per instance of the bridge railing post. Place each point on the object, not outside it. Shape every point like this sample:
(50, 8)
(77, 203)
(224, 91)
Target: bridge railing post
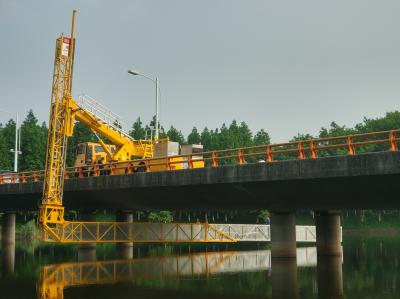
(313, 149)
(302, 153)
(214, 159)
(241, 156)
(393, 141)
(269, 157)
(350, 146)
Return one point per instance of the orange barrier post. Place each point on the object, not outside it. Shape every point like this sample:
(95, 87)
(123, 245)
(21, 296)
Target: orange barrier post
(393, 141)
(350, 147)
(302, 153)
(269, 156)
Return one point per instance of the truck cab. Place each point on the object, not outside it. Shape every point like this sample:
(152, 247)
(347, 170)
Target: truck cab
(89, 153)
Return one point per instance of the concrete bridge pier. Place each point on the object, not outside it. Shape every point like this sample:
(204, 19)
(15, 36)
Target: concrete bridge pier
(284, 278)
(283, 235)
(329, 241)
(8, 229)
(87, 251)
(124, 250)
(329, 277)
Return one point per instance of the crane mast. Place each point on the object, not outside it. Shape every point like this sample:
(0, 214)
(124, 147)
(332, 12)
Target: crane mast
(51, 214)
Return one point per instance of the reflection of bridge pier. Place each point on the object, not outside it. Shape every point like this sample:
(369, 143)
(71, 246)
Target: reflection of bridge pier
(8, 244)
(330, 279)
(7, 259)
(284, 278)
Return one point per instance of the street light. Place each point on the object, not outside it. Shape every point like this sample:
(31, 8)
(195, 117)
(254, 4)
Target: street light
(17, 145)
(155, 81)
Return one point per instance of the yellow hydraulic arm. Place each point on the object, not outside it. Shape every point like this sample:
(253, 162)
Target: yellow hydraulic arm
(63, 113)
(127, 147)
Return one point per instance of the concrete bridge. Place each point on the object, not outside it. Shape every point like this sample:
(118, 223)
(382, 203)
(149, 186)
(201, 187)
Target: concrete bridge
(325, 185)
(366, 181)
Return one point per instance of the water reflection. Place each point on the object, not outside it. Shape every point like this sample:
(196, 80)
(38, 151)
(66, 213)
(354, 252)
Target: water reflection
(7, 259)
(330, 279)
(284, 278)
(55, 278)
(87, 254)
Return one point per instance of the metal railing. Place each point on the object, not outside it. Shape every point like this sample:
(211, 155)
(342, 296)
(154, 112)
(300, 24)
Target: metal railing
(136, 232)
(302, 149)
(102, 113)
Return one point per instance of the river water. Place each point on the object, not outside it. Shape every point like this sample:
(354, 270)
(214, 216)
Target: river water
(369, 268)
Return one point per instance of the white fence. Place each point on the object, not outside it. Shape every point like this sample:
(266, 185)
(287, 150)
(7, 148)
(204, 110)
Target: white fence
(262, 233)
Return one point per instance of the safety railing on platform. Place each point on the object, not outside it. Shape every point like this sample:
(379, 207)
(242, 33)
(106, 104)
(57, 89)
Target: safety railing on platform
(301, 149)
(137, 232)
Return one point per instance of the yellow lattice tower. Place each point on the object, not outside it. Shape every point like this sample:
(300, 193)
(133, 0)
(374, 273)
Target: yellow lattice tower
(51, 215)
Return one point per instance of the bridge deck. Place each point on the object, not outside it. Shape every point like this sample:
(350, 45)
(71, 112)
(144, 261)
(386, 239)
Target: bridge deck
(366, 181)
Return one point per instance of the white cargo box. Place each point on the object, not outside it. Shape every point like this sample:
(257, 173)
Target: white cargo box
(166, 148)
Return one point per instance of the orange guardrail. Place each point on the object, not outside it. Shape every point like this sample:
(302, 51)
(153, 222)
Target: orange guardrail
(302, 149)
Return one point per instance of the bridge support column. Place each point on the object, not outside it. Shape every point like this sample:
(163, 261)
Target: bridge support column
(87, 251)
(329, 237)
(284, 278)
(329, 278)
(125, 250)
(283, 235)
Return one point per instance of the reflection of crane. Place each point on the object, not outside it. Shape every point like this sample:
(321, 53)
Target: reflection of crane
(63, 112)
(55, 278)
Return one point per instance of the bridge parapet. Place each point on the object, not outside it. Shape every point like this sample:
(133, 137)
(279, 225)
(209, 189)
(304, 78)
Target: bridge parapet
(301, 149)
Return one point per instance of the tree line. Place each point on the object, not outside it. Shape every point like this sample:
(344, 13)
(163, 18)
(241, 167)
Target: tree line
(34, 140)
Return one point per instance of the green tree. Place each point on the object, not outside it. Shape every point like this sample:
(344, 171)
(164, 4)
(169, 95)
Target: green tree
(33, 144)
(5, 162)
(261, 138)
(137, 132)
(161, 216)
(175, 135)
(245, 136)
(194, 137)
(8, 133)
(206, 139)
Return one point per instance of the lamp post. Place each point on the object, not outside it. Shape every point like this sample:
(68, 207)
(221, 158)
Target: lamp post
(155, 81)
(17, 145)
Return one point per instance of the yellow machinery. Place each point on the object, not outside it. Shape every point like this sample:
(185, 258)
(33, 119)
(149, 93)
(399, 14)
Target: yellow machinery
(64, 110)
(89, 152)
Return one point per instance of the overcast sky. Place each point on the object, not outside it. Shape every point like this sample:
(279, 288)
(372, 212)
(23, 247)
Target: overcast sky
(285, 66)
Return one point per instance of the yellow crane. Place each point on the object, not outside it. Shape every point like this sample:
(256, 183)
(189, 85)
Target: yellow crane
(64, 110)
